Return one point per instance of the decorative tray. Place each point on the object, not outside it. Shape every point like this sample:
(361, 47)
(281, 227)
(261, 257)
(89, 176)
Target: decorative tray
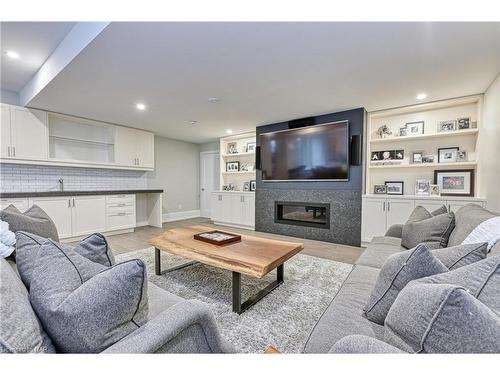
(217, 237)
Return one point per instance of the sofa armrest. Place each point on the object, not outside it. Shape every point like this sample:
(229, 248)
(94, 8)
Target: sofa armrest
(186, 327)
(395, 230)
(359, 344)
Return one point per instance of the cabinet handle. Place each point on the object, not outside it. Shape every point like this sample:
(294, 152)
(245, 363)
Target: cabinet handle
(73, 202)
(8, 150)
(388, 206)
(242, 199)
(384, 206)
(69, 202)
(220, 197)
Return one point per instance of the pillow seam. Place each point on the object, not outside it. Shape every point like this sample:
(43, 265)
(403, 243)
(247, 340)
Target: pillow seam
(480, 290)
(446, 231)
(73, 264)
(470, 252)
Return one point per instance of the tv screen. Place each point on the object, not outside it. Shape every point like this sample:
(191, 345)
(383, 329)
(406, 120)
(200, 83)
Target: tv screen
(319, 152)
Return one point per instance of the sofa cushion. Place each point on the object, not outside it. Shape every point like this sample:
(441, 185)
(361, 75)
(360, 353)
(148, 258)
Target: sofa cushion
(160, 300)
(378, 250)
(85, 306)
(398, 270)
(466, 219)
(436, 230)
(20, 329)
(441, 318)
(359, 344)
(461, 255)
(34, 220)
(344, 315)
(93, 247)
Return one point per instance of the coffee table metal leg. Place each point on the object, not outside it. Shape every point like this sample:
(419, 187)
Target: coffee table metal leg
(158, 270)
(239, 307)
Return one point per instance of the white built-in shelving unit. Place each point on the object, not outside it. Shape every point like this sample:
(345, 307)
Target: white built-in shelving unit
(244, 157)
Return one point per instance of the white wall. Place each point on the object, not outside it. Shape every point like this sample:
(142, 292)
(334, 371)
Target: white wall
(177, 171)
(489, 144)
(210, 146)
(9, 97)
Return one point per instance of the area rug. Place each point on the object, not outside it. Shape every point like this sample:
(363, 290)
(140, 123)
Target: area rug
(283, 319)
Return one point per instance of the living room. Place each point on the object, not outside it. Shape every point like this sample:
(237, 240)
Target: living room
(249, 187)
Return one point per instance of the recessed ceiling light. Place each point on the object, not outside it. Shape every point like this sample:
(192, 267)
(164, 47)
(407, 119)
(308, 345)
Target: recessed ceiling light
(12, 54)
(229, 131)
(213, 100)
(421, 96)
(193, 122)
(140, 106)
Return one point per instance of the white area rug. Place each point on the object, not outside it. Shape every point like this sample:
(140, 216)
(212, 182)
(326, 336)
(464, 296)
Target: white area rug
(283, 319)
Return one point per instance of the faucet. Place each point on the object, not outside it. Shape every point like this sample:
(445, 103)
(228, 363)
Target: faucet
(61, 184)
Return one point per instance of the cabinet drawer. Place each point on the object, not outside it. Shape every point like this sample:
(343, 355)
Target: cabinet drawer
(120, 198)
(120, 220)
(20, 204)
(125, 206)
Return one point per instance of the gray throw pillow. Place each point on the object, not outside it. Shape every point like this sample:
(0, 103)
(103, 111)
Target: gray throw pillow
(441, 318)
(436, 229)
(467, 219)
(93, 247)
(34, 220)
(20, 330)
(461, 255)
(84, 306)
(419, 213)
(439, 211)
(398, 270)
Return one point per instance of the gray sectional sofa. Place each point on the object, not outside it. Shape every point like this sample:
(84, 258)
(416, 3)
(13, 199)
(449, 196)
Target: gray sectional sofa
(343, 317)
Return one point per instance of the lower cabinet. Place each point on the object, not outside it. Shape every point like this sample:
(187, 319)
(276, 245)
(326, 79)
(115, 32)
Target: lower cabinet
(88, 214)
(59, 210)
(233, 209)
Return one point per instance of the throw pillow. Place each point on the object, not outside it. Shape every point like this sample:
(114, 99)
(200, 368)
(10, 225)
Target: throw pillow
(458, 256)
(34, 220)
(84, 306)
(398, 270)
(467, 218)
(439, 211)
(93, 247)
(441, 318)
(488, 231)
(435, 229)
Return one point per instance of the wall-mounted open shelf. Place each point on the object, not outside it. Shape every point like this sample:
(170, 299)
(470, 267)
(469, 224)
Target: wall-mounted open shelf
(425, 165)
(456, 133)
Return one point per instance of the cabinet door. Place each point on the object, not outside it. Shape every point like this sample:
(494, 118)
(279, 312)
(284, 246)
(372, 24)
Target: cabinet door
(216, 207)
(59, 210)
(5, 140)
(30, 139)
(430, 205)
(373, 219)
(89, 214)
(237, 202)
(398, 211)
(125, 146)
(145, 149)
(249, 210)
(226, 208)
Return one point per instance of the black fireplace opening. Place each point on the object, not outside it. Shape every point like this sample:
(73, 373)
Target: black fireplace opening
(306, 214)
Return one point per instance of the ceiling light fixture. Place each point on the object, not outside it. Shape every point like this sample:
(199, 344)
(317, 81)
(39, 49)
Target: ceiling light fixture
(213, 100)
(193, 122)
(140, 106)
(12, 54)
(421, 96)
(229, 131)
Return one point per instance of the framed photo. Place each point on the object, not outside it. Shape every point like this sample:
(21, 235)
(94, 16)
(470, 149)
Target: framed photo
(251, 146)
(414, 128)
(231, 148)
(447, 155)
(428, 159)
(232, 166)
(387, 155)
(446, 126)
(395, 187)
(253, 185)
(463, 123)
(457, 182)
(379, 189)
(246, 186)
(399, 154)
(403, 132)
(376, 156)
(416, 157)
(462, 156)
(434, 191)
(422, 187)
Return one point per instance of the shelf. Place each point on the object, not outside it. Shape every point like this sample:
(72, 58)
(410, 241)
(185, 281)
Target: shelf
(81, 140)
(456, 133)
(240, 172)
(239, 154)
(425, 165)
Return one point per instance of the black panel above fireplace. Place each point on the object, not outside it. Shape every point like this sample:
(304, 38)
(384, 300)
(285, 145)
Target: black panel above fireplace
(306, 214)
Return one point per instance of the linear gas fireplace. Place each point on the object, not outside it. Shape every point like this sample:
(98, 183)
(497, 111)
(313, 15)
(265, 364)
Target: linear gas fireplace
(305, 214)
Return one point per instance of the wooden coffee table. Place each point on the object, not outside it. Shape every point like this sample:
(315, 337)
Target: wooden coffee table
(252, 256)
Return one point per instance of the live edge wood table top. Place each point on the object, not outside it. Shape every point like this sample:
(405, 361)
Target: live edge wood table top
(252, 256)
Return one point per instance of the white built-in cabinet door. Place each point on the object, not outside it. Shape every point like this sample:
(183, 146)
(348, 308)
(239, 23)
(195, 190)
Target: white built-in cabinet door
(233, 208)
(249, 210)
(373, 219)
(89, 214)
(237, 207)
(145, 149)
(125, 146)
(5, 141)
(398, 211)
(215, 204)
(429, 205)
(29, 134)
(59, 210)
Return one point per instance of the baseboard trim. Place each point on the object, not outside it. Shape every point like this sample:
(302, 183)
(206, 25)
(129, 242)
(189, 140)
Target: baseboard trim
(182, 215)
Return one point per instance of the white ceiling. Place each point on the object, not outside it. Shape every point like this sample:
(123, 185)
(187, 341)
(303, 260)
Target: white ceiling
(34, 41)
(266, 72)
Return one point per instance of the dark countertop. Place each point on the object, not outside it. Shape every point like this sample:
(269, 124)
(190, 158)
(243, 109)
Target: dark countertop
(70, 193)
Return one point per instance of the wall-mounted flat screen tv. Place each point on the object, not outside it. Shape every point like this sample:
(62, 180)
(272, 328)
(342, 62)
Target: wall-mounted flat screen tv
(319, 152)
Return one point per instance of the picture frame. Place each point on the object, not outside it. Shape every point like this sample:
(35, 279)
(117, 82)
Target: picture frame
(463, 123)
(447, 126)
(376, 156)
(415, 128)
(232, 166)
(231, 148)
(395, 187)
(434, 190)
(416, 157)
(246, 186)
(427, 159)
(447, 154)
(251, 146)
(253, 185)
(379, 189)
(403, 131)
(461, 156)
(388, 155)
(455, 182)
(422, 187)
(399, 154)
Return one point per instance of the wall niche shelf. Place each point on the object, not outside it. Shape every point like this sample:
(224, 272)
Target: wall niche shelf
(237, 178)
(456, 133)
(426, 165)
(244, 154)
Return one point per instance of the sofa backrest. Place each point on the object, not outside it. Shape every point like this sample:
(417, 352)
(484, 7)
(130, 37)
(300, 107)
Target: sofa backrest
(467, 218)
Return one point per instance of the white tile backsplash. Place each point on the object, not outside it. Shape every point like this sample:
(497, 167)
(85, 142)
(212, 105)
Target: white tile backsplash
(19, 177)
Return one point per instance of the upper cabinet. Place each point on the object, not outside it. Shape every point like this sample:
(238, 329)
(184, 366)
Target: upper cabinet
(24, 133)
(134, 148)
